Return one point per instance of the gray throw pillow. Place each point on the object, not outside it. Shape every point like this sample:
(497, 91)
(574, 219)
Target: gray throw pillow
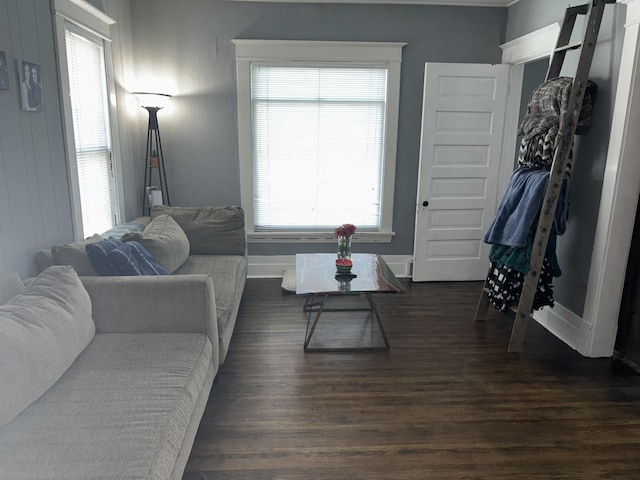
(74, 254)
(164, 240)
(210, 230)
(42, 331)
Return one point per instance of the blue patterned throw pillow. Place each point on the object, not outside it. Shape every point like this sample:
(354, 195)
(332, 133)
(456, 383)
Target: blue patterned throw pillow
(131, 258)
(99, 255)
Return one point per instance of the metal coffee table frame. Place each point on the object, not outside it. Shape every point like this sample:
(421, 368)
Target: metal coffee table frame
(317, 279)
(311, 306)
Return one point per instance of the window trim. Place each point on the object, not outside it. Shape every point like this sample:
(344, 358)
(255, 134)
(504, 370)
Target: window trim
(386, 54)
(84, 16)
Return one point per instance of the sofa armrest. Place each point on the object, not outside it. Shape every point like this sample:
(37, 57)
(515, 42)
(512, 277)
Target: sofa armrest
(154, 304)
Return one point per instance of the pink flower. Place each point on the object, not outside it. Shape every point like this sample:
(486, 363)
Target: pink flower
(345, 230)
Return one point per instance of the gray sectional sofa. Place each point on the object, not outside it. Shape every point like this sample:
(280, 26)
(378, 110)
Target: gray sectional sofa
(108, 376)
(185, 241)
(77, 402)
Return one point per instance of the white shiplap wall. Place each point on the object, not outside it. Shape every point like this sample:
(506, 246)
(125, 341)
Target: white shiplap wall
(35, 209)
(34, 199)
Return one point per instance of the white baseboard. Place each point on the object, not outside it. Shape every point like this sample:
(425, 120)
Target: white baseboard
(569, 327)
(273, 266)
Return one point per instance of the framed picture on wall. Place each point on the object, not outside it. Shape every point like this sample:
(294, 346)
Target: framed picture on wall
(4, 72)
(31, 87)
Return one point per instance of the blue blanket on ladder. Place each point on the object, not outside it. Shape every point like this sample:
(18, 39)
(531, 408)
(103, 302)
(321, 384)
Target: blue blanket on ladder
(520, 207)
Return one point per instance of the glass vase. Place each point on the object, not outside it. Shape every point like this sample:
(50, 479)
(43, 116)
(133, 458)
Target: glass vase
(344, 247)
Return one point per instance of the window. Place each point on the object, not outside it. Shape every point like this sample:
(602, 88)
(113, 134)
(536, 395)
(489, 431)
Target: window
(83, 72)
(317, 128)
(92, 135)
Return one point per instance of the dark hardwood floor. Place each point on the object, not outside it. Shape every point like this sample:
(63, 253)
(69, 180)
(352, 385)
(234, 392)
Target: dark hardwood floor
(446, 402)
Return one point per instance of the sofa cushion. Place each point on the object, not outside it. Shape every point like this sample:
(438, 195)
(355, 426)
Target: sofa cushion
(120, 411)
(164, 240)
(211, 230)
(99, 255)
(44, 259)
(42, 331)
(74, 254)
(229, 273)
(132, 258)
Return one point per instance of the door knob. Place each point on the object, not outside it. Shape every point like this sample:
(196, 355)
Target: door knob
(425, 203)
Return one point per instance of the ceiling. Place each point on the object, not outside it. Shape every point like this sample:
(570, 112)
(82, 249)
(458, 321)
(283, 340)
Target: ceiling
(461, 3)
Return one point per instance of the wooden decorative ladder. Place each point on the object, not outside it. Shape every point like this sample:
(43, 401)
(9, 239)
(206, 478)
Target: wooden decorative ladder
(594, 11)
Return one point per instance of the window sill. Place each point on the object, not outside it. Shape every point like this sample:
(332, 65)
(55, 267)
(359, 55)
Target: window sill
(316, 237)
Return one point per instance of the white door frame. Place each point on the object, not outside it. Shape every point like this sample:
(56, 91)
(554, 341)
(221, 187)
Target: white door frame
(593, 334)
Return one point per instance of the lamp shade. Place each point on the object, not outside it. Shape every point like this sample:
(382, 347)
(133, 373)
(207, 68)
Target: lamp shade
(148, 99)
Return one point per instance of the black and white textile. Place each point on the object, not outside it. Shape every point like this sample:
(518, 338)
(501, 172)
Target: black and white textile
(505, 285)
(549, 105)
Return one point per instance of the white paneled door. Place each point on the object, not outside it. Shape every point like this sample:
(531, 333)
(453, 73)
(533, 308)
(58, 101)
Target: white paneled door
(463, 123)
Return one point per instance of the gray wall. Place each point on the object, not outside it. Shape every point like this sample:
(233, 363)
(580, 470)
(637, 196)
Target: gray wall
(534, 74)
(131, 131)
(574, 248)
(190, 41)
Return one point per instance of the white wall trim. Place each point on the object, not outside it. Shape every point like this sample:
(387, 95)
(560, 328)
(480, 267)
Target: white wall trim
(572, 329)
(316, 237)
(92, 22)
(387, 54)
(273, 266)
(620, 191)
(83, 13)
(532, 46)
(321, 51)
(633, 11)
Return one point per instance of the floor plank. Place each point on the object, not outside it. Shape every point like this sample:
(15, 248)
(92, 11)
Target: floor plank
(446, 402)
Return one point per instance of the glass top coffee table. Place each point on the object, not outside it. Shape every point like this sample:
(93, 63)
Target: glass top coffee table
(316, 277)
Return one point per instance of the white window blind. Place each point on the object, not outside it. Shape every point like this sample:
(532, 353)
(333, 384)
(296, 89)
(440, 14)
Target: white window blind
(317, 146)
(91, 129)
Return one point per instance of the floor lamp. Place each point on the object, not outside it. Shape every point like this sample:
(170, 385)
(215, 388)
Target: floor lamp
(154, 158)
